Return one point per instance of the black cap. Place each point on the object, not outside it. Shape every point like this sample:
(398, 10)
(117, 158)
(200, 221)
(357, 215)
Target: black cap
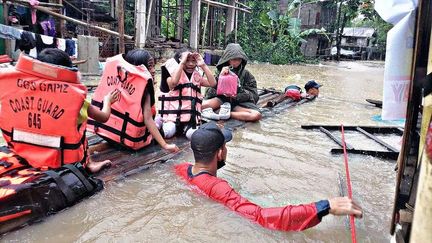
(209, 137)
(311, 84)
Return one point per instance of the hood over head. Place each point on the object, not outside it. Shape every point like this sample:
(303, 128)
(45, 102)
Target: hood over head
(232, 51)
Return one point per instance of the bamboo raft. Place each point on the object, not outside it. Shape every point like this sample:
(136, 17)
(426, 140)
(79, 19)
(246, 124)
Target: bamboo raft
(46, 192)
(126, 162)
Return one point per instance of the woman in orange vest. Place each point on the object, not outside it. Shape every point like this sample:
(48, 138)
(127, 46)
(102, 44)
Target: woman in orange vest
(131, 124)
(40, 100)
(139, 57)
(181, 96)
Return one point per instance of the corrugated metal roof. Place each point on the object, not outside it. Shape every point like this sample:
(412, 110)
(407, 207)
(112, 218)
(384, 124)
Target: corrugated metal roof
(358, 32)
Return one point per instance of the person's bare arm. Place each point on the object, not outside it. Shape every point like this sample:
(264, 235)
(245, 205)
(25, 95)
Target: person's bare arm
(104, 114)
(210, 80)
(174, 80)
(151, 126)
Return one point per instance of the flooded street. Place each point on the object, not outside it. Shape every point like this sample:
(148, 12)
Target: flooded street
(273, 163)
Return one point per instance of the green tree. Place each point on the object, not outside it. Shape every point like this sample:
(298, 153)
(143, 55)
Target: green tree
(270, 36)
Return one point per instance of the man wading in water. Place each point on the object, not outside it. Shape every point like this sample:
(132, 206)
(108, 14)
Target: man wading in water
(208, 145)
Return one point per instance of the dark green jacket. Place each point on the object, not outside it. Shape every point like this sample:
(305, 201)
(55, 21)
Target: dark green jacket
(247, 90)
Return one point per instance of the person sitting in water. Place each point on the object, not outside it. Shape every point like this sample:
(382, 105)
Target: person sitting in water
(209, 148)
(44, 111)
(180, 96)
(242, 107)
(295, 92)
(131, 125)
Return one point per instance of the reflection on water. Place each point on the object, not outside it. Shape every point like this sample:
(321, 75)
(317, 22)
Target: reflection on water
(272, 163)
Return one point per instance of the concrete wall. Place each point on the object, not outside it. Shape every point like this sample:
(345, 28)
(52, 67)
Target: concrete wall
(88, 49)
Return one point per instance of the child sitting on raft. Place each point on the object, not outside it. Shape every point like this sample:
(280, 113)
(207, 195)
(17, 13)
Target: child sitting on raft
(180, 87)
(59, 57)
(46, 123)
(131, 125)
(242, 107)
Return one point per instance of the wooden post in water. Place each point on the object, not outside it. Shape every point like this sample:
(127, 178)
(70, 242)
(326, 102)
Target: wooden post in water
(194, 28)
(120, 17)
(422, 224)
(140, 23)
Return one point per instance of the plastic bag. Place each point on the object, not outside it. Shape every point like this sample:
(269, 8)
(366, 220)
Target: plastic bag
(227, 85)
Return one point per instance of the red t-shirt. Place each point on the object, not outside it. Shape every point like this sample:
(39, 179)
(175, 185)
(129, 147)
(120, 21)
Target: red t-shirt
(288, 218)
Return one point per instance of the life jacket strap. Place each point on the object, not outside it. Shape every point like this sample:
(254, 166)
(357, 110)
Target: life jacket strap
(118, 132)
(175, 98)
(89, 187)
(119, 114)
(188, 85)
(66, 190)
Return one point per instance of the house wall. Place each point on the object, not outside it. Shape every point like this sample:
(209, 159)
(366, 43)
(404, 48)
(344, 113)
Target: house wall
(310, 48)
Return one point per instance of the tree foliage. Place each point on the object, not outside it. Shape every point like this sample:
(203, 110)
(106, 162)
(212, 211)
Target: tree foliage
(270, 36)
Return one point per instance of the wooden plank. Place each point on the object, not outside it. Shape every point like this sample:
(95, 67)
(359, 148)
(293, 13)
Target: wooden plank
(277, 100)
(382, 154)
(334, 138)
(370, 129)
(378, 140)
(377, 103)
(223, 5)
(262, 102)
(126, 162)
(60, 16)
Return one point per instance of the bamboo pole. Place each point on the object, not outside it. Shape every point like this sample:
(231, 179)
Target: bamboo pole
(205, 26)
(41, 4)
(60, 16)
(120, 15)
(74, 7)
(149, 13)
(217, 4)
(243, 5)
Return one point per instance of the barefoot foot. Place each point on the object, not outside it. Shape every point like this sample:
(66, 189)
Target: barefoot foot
(94, 167)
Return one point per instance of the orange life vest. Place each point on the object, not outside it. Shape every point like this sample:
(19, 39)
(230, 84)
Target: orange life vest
(183, 103)
(126, 123)
(40, 104)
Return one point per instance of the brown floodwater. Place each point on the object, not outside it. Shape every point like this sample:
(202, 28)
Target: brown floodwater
(272, 163)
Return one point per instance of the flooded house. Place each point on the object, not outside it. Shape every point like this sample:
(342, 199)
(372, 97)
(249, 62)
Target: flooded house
(314, 15)
(357, 43)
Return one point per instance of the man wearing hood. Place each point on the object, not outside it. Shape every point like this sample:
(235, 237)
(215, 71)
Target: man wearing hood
(241, 107)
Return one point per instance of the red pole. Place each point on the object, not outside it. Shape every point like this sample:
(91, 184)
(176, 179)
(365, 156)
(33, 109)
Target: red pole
(352, 224)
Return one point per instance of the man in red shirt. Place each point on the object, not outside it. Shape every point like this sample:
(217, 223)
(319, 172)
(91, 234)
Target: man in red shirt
(208, 145)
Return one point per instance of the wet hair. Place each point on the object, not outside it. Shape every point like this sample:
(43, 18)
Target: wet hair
(179, 52)
(55, 56)
(138, 57)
